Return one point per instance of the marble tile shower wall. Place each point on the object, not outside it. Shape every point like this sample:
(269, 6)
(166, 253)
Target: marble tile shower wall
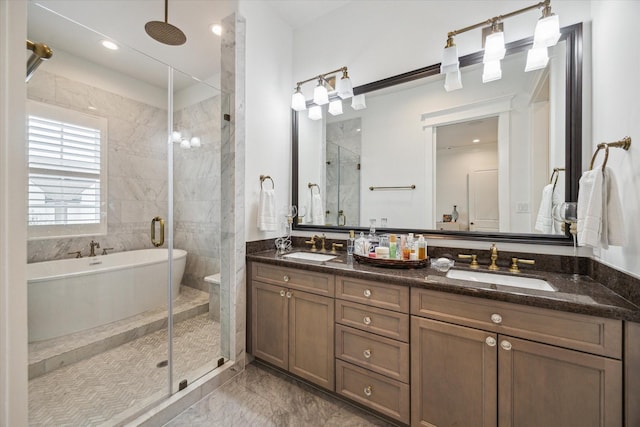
(343, 172)
(196, 199)
(137, 171)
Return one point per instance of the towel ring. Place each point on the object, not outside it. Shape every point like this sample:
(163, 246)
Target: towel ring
(310, 185)
(263, 178)
(624, 143)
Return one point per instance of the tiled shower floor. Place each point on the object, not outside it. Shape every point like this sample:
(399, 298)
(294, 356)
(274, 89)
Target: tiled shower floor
(118, 382)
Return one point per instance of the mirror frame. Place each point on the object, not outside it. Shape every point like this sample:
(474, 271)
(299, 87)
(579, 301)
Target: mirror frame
(573, 142)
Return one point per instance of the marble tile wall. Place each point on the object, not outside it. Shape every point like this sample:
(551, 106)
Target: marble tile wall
(232, 257)
(343, 173)
(137, 171)
(196, 191)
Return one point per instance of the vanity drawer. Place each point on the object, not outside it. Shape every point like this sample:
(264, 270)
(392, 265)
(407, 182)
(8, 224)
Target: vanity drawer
(391, 297)
(581, 332)
(382, 322)
(379, 354)
(379, 393)
(317, 283)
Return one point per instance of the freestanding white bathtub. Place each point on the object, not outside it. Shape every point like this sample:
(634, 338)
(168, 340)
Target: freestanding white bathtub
(71, 295)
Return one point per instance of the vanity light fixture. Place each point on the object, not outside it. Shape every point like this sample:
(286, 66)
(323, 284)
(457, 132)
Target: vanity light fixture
(547, 34)
(321, 96)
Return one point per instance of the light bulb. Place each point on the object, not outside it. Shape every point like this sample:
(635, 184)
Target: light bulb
(335, 107)
(547, 31)
(344, 87)
(185, 144)
(298, 102)
(494, 49)
(358, 102)
(537, 58)
(492, 71)
(453, 81)
(450, 61)
(176, 136)
(320, 94)
(195, 142)
(315, 112)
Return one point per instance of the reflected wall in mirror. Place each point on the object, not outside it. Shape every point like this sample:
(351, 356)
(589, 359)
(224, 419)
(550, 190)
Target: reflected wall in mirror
(418, 139)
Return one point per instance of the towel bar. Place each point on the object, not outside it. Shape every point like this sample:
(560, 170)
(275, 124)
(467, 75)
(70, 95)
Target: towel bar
(556, 173)
(624, 143)
(404, 187)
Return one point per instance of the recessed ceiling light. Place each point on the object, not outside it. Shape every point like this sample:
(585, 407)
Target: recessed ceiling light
(216, 29)
(92, 108)
(475, 140)
(109, 45)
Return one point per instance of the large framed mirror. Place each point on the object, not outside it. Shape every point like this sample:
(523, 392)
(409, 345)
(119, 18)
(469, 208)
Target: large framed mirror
(471, 163)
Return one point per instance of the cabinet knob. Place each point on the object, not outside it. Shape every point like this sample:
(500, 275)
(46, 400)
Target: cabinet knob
(285, 278)
(366, 320)
(282, 293)
(496, 318)
(506, 345)
(368, 390)
(491, 341)
(289, 294)
(367, 354)
(367, 293)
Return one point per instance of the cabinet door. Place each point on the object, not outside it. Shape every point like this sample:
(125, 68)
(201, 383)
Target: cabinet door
(542, 385)
(269, 324)
(453, 375)
(311, 341)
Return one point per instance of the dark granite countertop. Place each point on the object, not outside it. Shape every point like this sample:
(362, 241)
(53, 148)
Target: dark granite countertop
(585, 296)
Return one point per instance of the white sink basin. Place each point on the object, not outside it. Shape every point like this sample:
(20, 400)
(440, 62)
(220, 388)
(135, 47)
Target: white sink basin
(309, 256)
(501, 279)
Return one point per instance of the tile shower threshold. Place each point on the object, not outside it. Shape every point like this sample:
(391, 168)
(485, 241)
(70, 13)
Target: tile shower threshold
(47, 356)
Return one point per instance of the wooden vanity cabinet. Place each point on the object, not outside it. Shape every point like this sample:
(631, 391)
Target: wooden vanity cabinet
(291, 328)
(490, 375)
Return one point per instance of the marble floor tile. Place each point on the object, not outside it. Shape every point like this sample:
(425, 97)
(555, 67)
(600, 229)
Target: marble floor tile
(261, 396)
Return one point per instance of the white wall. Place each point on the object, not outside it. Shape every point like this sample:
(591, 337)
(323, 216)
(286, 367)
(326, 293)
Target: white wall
(269, 85)
(13, 232)
(616, 111)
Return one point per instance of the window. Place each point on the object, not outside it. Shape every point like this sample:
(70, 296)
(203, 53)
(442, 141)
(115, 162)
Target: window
(67, 172)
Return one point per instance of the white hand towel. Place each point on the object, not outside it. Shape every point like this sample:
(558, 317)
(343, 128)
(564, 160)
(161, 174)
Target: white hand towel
(557, 201)
(544, 221)
(612, 213)
(317, 210)
(267, 219)
(590, 208)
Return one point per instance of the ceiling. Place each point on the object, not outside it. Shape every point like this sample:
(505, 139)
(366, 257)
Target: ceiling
(66, 25)
(462, 134)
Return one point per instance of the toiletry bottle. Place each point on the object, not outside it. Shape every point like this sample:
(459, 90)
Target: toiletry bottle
(393, 246)
(360, 245)
(402, 250)
(422, 247)
(372, 237)
(409, 247)
(350, 242)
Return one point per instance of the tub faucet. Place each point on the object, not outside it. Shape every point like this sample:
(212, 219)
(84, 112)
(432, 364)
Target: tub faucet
(93, 245)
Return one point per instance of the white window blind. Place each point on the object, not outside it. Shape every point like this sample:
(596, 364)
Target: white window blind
(66, 170)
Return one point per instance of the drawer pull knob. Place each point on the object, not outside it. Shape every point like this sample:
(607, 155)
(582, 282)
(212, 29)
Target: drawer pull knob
(367, 354)
(289, 294)
(366, 320)
(496, 318)
(491, 341)
(368, 390)
(282, 293)
(506, 345)
(285, 278)
(367, 293)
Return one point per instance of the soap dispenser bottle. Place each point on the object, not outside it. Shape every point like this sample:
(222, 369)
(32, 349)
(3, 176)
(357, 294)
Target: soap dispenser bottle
(360, 247)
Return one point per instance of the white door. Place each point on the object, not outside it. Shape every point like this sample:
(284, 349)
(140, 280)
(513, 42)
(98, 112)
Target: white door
(483, 200)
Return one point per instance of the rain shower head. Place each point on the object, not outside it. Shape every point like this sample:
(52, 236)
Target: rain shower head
(165, 32)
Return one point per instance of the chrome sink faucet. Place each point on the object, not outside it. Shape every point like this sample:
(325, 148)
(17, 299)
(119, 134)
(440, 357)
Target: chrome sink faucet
(93, 245)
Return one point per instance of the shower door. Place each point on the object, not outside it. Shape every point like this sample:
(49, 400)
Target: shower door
(198, 130)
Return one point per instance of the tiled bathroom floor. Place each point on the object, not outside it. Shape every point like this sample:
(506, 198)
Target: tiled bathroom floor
(261, 396)
(111, 385)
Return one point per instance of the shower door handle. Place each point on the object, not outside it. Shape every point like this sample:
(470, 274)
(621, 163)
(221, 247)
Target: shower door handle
(157, 243)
